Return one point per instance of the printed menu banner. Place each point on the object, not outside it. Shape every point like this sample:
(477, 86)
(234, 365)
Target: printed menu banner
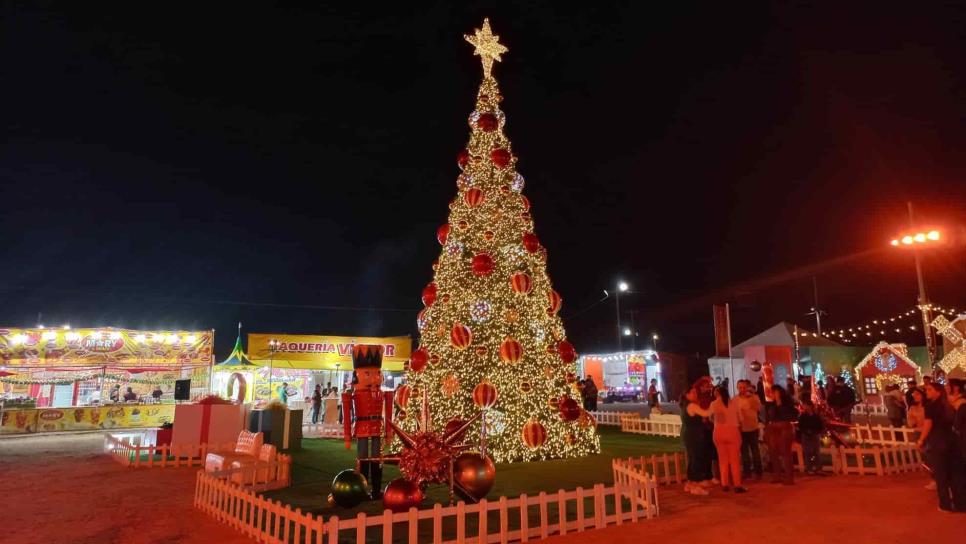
(85, 418)
(104, 347)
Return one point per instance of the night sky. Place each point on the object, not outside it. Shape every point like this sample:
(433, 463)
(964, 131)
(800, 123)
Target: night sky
(288, 168)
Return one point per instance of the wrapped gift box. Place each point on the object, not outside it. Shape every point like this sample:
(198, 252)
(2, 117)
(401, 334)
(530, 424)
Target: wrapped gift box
(213, 424)
(281, 428)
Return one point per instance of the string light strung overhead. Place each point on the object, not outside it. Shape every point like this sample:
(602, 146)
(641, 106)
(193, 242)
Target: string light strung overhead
(885, 327)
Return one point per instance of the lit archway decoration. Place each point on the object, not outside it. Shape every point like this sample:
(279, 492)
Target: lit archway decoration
(242, 386)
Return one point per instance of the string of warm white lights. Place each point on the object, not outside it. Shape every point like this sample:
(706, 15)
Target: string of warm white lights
(885, 327)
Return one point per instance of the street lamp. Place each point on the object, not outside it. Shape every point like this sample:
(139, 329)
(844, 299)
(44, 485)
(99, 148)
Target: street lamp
(621, 288)
(272, 348)
(914, 241)
(655, 338)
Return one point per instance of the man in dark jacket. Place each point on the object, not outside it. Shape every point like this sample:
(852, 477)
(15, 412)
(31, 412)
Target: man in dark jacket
(590, 395)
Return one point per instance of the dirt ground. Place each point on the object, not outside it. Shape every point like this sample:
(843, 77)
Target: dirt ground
(854, 509)
(63, 489)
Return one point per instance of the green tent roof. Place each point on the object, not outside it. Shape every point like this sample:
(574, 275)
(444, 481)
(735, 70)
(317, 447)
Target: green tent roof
(237, 358)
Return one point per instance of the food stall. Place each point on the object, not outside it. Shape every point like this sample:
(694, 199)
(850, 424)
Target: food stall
(304, 360)
(88, 379)
(624, 376)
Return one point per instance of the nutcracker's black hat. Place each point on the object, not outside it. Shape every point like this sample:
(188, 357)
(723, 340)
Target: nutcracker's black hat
(366, 356)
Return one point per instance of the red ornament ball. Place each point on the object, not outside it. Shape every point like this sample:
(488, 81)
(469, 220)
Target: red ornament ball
(482, 264)
(418, 360)
(401, 397)
(484, 395)
(460, 336)
(462, 225)
(475, 473)
(569, 409)
(463, 158)
(534, 434)
(526, 217)
(526, 202)
(521, 283)
(511, 351)
(442, 233)
(487, 122)
(401, 495)
(566, 351)
(530, 242)
(429, 294)
(474, 197)
(500, 157)
(556, 302)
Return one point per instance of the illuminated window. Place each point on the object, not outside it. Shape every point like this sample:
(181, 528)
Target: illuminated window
(870, 387)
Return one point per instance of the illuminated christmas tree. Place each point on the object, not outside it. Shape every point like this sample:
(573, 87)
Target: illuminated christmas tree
(490, 334)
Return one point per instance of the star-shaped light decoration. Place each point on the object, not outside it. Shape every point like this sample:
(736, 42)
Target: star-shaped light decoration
(427, 456)
(487, 46)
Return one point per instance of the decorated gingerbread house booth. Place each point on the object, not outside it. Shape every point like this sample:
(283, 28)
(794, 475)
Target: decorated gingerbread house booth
(886, 364)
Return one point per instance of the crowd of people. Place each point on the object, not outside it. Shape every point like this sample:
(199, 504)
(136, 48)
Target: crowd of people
(722, 434)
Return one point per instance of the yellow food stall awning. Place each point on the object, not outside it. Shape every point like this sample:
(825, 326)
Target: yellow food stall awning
(319, 352)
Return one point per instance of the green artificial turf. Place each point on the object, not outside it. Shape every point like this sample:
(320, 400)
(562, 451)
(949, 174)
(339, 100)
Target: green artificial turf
(314, 467)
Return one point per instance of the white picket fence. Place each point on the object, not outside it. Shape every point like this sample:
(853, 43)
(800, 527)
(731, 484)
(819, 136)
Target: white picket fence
(275, 474)
(657, 425)
(520, 519)
(864, 408)
(884, 436)
(662, 469)
(611, 418)
(132, 454)
(865, 460)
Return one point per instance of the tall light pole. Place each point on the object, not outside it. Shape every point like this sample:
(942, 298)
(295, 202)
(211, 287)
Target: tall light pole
(272, 348)
(621, 287)
(655, 338)
(914, 241)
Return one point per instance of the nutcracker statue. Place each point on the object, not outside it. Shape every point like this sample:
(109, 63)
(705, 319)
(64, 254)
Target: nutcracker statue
(367, 405)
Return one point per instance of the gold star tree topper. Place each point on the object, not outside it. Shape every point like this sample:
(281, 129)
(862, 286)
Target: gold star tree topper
(487, 46)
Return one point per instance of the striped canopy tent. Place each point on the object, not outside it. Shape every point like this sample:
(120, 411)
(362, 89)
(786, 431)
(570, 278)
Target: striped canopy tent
(237, 359)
